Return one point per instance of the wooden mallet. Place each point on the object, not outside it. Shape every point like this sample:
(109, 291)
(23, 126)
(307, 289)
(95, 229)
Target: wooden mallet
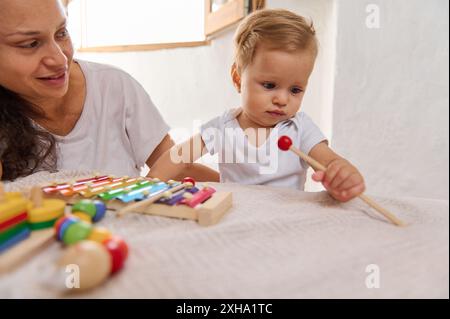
(187, 182)
(285, 144)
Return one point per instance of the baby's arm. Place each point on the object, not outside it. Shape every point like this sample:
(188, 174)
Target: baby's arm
(178, 161)
(200, 172)
(341, 179)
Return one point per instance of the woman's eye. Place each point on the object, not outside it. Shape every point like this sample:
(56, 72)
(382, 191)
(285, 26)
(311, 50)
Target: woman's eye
(64, 33)
(269, 85)
(30, 45)
(296, 90)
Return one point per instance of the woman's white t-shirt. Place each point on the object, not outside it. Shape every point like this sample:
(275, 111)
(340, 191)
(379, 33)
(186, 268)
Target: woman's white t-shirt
(119, 127)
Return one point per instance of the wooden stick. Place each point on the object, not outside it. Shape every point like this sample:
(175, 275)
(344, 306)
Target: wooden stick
(317, 166)
(2, 192)
(39, 239)
(36, 196)
(146, 202)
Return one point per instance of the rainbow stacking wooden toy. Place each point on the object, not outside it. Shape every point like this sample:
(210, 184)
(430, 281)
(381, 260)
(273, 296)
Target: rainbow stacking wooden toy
(13, 219)
(25, 225)
(148, 196)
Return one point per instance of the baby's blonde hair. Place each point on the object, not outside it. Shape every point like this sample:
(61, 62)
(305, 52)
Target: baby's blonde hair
(275, 28)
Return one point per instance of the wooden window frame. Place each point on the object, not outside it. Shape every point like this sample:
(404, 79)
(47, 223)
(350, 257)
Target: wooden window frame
(144, 47)
(227, 15)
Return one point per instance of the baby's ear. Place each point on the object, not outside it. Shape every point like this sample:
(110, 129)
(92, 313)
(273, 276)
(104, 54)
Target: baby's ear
(235, 76)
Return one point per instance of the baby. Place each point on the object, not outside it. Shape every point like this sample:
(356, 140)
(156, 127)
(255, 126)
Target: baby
(275, 51)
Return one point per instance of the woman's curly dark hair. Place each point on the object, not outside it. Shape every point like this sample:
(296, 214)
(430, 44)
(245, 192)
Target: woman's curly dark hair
(24, 148)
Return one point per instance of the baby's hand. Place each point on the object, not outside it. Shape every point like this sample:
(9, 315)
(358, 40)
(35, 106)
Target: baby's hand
(341, 179)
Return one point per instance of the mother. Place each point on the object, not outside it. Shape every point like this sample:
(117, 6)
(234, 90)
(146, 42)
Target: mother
(61, 113)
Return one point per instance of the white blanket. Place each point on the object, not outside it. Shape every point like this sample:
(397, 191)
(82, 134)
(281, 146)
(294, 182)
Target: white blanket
(273, 243)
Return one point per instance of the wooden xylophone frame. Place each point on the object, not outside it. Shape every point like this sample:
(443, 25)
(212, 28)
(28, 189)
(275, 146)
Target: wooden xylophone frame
(206, 213)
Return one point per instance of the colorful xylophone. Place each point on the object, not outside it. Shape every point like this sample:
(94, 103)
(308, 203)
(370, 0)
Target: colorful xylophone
(202, 204)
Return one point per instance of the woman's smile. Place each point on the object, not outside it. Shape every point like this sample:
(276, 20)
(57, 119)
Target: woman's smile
(56, 80)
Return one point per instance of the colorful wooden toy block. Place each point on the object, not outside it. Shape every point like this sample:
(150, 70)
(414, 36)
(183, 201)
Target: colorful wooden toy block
(94, 250)
(25, 225)
(93, 260)
(13, 219)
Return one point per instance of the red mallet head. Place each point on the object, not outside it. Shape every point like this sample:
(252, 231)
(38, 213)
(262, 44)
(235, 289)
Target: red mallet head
(189, 180)
(284, 143)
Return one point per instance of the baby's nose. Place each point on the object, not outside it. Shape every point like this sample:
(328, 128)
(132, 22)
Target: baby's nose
(280, 99)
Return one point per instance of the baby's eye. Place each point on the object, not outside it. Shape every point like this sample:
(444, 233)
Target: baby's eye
(268, 85)
(296, 90)
(30, 45)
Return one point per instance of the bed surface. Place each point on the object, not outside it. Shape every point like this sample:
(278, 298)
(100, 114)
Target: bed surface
(273, 243)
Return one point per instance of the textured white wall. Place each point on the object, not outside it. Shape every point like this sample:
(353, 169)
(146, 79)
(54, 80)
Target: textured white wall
(391, 95)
